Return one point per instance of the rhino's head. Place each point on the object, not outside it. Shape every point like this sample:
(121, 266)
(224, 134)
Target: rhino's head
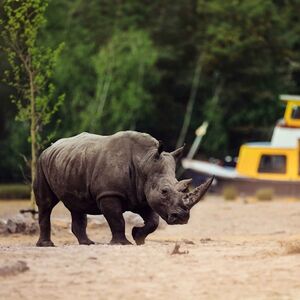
(170, 198)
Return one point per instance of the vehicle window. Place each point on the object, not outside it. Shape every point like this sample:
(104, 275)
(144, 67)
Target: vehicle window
(296, 112)
(272, 164)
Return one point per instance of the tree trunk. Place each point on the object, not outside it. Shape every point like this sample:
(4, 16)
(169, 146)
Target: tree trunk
(190, 104)
(33, 139)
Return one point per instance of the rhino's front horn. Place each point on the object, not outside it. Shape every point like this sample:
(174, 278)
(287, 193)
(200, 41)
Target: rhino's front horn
(192, 198)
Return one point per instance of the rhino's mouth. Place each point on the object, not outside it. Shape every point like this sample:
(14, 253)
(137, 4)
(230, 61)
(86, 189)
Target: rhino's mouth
(178, 218)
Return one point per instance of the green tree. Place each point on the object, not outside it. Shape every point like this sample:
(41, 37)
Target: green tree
(125, 69)
(244, 50)
(249, 54)
(31, 67)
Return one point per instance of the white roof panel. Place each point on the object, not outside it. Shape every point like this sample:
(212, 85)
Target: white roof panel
(210, 169)
(285, 137)
(289, 97)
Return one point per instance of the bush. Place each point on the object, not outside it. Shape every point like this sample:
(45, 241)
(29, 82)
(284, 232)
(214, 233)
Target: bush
(265, 194)
(14, 191)
(230, 193)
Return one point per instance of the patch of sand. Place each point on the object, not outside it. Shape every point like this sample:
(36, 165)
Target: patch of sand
(229, 250)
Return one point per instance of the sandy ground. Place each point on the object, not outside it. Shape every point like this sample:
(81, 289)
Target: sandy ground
(233, 250)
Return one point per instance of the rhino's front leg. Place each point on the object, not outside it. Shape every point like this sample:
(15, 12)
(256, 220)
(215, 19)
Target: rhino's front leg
(151, 220)
(111, 208)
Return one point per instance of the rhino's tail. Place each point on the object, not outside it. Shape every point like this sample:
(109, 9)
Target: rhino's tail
(43, 194)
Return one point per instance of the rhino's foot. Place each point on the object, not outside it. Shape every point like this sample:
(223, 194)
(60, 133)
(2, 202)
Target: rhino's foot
(86, 242)
(122, 241)
(44, 244)
(139, 238)
(140, 241)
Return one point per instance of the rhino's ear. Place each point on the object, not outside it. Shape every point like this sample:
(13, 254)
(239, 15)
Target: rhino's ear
(177, 154)
(183, 185)
(159, 149)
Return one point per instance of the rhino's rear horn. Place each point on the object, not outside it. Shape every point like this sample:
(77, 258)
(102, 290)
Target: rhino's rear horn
(192, 198)
(183, 185)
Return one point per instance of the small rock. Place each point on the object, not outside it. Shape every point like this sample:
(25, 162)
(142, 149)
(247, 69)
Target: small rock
(205, 240)
(12, 226)
(14, 269)
(188, 242)
(21, 224)
(2, 227)
(177, 251)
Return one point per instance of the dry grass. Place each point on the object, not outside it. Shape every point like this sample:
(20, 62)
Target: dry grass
(14, 191)
(291, 247)
(230, 193)
(265, 194)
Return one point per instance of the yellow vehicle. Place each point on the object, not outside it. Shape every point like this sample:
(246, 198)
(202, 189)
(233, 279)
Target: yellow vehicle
(275, 163)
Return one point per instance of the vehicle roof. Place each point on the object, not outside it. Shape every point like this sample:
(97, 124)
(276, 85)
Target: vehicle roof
(259, 144)
(290, 98)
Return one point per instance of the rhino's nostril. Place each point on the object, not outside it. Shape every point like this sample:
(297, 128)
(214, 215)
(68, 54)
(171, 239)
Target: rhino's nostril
(174, 216)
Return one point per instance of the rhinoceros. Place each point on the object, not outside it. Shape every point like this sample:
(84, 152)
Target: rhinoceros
(126, 171)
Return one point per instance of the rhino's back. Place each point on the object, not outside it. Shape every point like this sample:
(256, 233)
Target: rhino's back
(81, 166)
(67, 156)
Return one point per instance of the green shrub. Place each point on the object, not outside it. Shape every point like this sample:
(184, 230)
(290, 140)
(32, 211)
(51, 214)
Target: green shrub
(14, 191)
(230, 193)
(264, 194)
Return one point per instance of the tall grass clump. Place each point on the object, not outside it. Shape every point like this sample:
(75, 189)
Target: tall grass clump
(14, 191)
(230, 193)
(264, 194)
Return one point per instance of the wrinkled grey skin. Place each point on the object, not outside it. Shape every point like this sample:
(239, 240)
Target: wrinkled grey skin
(127, 171)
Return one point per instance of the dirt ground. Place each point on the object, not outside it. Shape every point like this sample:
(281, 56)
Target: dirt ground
(231, 250)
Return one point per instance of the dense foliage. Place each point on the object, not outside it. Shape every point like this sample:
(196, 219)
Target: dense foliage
(31, 67)
(132, 65)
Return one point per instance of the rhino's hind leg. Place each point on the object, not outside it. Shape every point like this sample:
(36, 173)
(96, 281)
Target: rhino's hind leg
(151, 220)
(79, 223)
(111, 208)
(45, 200)
(45, 225)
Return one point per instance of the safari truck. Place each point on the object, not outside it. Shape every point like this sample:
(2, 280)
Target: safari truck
(274, 164)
